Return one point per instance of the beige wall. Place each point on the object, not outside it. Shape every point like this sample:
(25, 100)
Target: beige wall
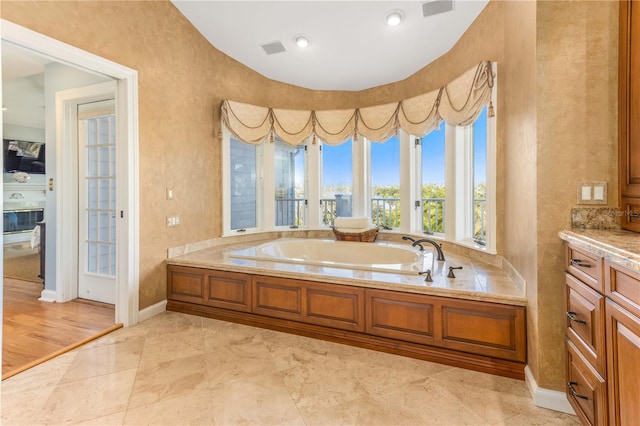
(182, 80)
(519, 154)
(576, 107)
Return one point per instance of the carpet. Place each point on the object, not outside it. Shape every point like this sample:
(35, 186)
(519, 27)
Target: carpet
(25, 267)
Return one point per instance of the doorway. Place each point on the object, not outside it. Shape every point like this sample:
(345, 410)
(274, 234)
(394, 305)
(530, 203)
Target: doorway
(61, 183)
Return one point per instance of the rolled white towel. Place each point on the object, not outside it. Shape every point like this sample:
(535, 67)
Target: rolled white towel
(353, 230)
(341, 223)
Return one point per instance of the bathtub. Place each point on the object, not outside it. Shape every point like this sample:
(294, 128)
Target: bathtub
(380, 257)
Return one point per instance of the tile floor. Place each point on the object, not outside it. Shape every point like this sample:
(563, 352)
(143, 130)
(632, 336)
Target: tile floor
(180, 369)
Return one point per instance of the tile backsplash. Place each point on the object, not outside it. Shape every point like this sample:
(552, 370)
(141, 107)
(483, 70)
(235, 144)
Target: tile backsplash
(595, 217)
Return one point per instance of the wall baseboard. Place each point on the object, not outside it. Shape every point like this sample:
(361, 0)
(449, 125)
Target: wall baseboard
(546, 398)
(153, 310)
(48, 296)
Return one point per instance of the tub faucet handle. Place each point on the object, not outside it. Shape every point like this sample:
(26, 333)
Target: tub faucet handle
(428, 277)
(451, 268)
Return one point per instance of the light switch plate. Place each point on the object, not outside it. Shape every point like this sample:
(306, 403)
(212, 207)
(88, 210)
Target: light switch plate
(592, 193)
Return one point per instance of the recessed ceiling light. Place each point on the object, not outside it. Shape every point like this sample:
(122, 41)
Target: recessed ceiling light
(394, 17)
(302, 41)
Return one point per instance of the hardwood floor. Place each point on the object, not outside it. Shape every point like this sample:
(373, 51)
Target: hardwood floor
(35, 331)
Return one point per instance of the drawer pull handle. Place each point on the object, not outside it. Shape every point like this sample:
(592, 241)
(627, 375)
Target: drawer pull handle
(580, 263)
(573, 391)
(572, 317)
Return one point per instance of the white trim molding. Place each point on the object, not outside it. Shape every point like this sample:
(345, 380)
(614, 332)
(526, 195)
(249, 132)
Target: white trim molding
(127, 204)
(153, 310)
(47, 296)
(546, 398)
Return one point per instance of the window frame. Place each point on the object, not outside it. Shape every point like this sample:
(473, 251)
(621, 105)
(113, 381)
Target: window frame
(459, 205)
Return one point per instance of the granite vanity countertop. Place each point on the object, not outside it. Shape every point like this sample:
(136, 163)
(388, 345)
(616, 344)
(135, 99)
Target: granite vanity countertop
(615, 245)
(476, 281)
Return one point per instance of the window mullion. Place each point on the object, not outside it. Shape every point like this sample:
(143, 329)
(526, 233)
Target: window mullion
(313, 171)
(361, 194)
(266, 201)
(409, 181)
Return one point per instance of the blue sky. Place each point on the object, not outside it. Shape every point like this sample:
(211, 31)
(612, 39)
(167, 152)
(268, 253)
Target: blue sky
(385, 159)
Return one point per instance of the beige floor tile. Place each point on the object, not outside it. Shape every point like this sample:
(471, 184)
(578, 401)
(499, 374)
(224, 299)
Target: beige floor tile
(88, 399)
(109, 420)
(40, 376)
(24, 408)
(104, 359)
(166, 347)
(194, 408)
(170, 322)
(239, 362)
(261, 400)
(431, 402)
(364, 411)
(182, 369)
(168, 379)
(322, 384)
(220, 334)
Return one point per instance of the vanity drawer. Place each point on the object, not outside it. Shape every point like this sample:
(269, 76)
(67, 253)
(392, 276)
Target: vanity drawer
(585, 266)
(585, 321)
(586, 390)
(622, 285)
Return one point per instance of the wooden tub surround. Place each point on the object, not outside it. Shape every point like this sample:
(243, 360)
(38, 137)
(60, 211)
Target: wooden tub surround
(482, 335)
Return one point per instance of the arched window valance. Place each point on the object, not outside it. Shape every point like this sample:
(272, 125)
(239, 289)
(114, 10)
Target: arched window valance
(458, 103)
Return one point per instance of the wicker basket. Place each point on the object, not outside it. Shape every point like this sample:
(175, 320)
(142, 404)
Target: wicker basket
(367, 236)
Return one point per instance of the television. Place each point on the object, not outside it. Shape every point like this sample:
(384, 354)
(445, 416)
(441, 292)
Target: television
(23, 156)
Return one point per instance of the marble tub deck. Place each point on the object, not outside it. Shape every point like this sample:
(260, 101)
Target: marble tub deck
(475, 281)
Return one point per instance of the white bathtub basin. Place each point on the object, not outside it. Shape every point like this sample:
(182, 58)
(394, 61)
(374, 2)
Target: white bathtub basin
(383, 257)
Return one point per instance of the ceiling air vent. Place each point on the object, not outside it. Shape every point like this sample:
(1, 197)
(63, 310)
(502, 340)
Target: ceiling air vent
(273, 48)
(436, 6)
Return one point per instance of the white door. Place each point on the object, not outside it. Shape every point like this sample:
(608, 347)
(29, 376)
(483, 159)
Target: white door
(97, 201)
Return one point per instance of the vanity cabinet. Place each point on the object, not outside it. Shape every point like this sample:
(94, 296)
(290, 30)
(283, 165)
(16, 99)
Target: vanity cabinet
(629, 114)
(602, 338)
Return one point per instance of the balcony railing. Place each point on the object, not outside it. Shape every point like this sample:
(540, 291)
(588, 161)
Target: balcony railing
(384, 212)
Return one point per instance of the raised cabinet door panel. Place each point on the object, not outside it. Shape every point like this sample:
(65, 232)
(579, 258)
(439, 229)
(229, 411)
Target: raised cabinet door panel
(630, 208)
(585, 266)
(586, 390)
(585, 322)
(186, 284)
(622, 285)
(229, 290)
(278, 297)
(335, 306)
(623, 365)
(407, 317)
(484, 328)
(629, 99)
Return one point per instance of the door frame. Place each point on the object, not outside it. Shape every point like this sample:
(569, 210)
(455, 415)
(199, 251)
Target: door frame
(127, 168)
(67, 157)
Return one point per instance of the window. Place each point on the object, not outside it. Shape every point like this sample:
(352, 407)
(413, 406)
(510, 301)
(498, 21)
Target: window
(442, 184)
(244, 160)
(480, 178)
(385, 183)
(336, 196)
(432, 185)
(289, 185)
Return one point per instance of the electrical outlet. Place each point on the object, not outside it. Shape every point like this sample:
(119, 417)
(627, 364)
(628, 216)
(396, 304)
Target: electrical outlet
(173, 221)
(169, 194)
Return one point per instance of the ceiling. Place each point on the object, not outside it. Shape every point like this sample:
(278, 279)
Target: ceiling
(351, 47)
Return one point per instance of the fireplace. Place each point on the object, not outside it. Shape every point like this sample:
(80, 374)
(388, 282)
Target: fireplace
(24, 204)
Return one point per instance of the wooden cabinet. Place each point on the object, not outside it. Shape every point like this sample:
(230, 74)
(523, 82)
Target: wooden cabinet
(629, 113)
(227, 290)
(485, 336)
(329, 305)
(603, 343)
(623, 365)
